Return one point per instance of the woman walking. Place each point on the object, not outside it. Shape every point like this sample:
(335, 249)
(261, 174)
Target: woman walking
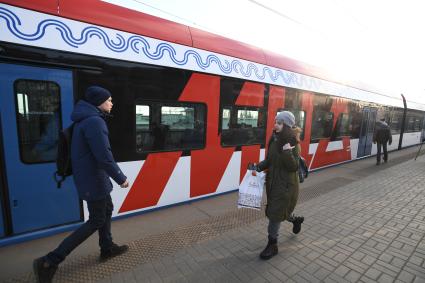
(282, 182)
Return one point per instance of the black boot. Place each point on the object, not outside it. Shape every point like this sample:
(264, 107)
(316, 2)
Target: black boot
(296, 221)
(43, 271)
(270, 250)
(114, 251)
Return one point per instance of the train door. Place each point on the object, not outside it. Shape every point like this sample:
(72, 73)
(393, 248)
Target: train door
(33, 104)
(366, 132)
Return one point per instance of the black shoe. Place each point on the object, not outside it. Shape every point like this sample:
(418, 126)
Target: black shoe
(296, 221)
(114, 251)
(43, 271)
(378, 162)
(385, 161)
(270, 250)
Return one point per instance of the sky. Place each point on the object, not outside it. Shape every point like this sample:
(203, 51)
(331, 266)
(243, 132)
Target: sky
(376, 43)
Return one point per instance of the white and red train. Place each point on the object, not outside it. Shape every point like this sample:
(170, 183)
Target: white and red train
(192, 109)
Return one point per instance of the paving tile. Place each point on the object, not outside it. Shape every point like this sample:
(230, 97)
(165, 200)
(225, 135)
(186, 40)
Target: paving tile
(342, 270)
(365, 279)
(406, 277)
(322, 273)
(356, 265)
(384, 278)
(352, 276)
(373, 273)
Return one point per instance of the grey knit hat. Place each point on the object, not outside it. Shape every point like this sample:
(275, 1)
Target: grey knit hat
(286, 117)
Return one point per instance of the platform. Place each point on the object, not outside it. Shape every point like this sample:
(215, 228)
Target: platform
(364, 223)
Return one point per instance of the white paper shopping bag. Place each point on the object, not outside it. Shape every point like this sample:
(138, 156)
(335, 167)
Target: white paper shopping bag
(251, 190)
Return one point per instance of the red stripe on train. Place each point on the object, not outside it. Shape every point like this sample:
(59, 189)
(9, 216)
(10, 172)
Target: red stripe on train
(207, 165)
(151, 181)
(252, 94)
(307, 107)
(323, 157)
(276, 101)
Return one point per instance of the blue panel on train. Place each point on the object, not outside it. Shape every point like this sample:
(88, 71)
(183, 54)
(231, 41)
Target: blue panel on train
(33, 104)
(366, 132)
(1, 219)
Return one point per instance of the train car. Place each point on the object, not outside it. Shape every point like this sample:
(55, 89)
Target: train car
(191, 109)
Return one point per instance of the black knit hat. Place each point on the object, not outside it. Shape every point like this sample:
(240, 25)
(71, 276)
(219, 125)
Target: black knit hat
(96, 95)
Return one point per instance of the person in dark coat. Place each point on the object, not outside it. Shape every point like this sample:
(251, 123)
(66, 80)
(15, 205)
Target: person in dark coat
(282, 184)
(93, 165)
(382, 136)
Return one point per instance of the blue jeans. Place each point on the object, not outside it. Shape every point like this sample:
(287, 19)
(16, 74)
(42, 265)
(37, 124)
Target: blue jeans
(100, 213)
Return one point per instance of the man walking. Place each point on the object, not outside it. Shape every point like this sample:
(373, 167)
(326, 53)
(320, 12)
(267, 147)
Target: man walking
(93, 165)
(382, 136)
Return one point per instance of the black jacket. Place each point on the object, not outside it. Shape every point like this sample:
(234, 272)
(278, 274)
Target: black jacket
(382, 133)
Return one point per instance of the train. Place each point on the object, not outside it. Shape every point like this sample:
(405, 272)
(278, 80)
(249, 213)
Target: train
(191, 110)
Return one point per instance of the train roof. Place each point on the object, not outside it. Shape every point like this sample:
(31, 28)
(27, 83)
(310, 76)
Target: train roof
(112, 16)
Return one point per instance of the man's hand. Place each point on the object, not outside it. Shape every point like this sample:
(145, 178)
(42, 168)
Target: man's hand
(125, 184)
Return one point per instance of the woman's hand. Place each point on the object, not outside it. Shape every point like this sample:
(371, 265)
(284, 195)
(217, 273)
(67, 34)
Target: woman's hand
(287, 147)
(253, 167)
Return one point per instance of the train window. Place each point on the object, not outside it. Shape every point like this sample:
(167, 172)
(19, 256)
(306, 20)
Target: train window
(248, 118)
(225, 119)
(395, 122)
(356, 122)
(142, 124)
(38, 118)
(169, 126)
(178, 118)
(242, 126)
(142, 117)
(409, 124)
(413, 122)
(418, 124)
(343, 126)
(321, 125)
(300, 121)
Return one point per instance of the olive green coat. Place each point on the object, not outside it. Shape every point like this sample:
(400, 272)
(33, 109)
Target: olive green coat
(282, 184)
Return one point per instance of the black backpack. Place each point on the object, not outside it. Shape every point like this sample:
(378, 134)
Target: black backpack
(303, 170)
(63, 158)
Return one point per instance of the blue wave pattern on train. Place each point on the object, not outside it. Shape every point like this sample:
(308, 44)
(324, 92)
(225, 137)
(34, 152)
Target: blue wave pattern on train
(121, 44)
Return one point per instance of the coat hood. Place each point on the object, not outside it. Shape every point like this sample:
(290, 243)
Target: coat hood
(287, 135)
(84, 110)
(381, 124)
